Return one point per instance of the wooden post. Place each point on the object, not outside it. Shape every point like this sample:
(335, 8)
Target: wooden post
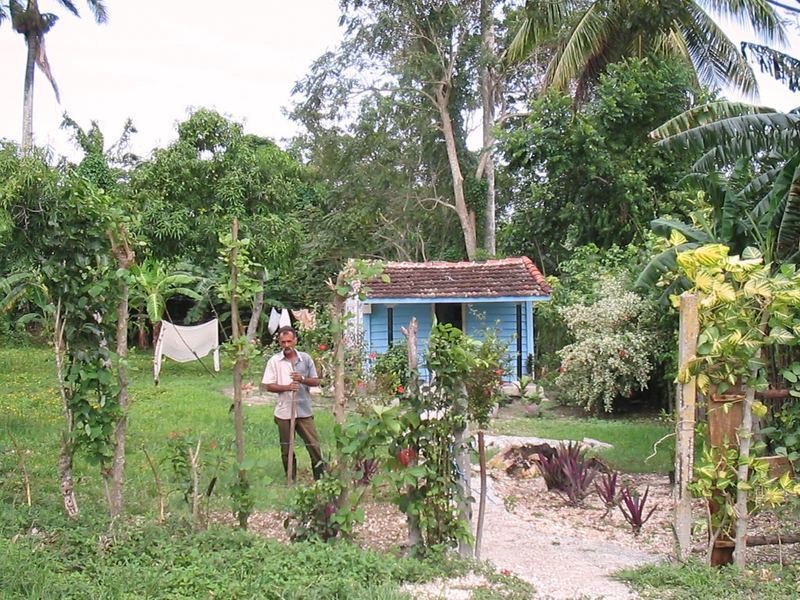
(414, 531)
(684, 427)
(292, 425)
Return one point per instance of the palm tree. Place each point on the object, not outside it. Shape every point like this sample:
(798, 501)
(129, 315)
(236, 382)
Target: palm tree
(34, 25)
(585, 37)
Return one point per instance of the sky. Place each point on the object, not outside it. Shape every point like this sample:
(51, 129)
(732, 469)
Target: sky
(156, 59)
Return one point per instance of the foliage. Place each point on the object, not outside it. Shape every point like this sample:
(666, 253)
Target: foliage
(607, 490)
(613, 348)
(715, 480)
(736, 293)
(692, 580)
(593, 176)
(632, 507)
(186, 455)
(747, 167)
(780, 66)
(590, 36)
(390, 369)
(484, 378)
(368, 107)
(188, 193)
(314, 514)
(783, 429)
(569, 472)
(82, 562)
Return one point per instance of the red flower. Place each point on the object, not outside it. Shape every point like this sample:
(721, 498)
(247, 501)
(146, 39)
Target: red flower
(499, 371)
(323, 347)
(173, 435)
(213, 445)
(623, 354)
(562, 370)
(505, 572)
(406, 456)
(360, 384)
(373, 355)
(401, 389)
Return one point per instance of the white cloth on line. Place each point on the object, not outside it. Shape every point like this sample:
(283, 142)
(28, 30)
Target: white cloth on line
(274, 321)
(286, 320)
(185, 344)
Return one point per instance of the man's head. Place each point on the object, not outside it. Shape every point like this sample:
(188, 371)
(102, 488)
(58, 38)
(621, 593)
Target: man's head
(287, 338)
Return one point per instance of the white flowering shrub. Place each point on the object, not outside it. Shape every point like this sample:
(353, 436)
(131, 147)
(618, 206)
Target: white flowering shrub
(613, 350)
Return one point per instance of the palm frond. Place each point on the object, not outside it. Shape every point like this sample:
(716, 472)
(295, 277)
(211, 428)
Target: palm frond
(586, 39)
(705, 114)
(98, 8)
(779, 66)
(758, 15)
(543, 20)
(714, 55)
(787, 187)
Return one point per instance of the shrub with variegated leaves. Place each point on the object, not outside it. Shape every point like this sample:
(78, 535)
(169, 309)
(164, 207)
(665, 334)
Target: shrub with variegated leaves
(612, 355)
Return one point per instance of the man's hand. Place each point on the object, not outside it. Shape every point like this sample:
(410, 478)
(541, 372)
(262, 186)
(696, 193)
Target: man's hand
(294, 386)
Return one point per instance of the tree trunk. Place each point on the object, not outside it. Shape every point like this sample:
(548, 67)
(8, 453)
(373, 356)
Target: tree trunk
(482, 502)
(125, 258)
(745, 440)
(465, 216)
(33, 42)
(258, 307)
(238, 368)
(412, 522)
(488, 99)
(460, 438)
(66, 448)
(684, 428)
(337, 327)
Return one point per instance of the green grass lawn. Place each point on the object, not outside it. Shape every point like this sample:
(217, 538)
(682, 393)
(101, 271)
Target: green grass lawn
(632, 439)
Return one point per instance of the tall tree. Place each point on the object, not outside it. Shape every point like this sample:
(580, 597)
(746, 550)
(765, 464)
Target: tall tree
(29, 21)
(189, 192)
(421, 54)
(588, 36)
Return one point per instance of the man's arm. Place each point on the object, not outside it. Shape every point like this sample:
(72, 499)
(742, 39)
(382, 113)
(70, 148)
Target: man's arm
(270, 381)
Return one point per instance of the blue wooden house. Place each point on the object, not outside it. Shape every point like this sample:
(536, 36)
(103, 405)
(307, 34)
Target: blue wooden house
(473, 296)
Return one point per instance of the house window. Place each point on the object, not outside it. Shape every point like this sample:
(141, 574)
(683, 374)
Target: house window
(451, 312)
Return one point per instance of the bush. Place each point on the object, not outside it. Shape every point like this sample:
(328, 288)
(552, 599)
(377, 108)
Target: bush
(613, 349)
(390, 369)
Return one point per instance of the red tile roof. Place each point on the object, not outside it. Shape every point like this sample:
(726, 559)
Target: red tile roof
(488, 279)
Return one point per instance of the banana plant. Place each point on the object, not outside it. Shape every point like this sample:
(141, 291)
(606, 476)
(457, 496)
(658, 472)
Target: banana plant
(748, 168)
(155, 282)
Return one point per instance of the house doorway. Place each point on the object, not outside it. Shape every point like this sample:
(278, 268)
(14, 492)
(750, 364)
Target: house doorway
(451, 313)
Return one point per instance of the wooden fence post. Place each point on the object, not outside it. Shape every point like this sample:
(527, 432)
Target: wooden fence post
(684, 427)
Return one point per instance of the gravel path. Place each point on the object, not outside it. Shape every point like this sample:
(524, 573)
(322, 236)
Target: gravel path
(559, 567)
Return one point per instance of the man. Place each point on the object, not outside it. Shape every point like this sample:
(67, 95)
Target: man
(290, 374)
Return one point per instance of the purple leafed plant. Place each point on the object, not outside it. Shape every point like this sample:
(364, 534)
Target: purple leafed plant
(632, 507)
(366, 469)
(568, 472)
(608, 491)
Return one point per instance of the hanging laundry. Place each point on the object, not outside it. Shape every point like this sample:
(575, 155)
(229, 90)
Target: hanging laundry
(286, 319)
(185, 344)
(274, 321)
(306, 317)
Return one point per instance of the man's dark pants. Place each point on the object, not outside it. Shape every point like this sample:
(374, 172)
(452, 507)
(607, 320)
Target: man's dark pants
(304, 427)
